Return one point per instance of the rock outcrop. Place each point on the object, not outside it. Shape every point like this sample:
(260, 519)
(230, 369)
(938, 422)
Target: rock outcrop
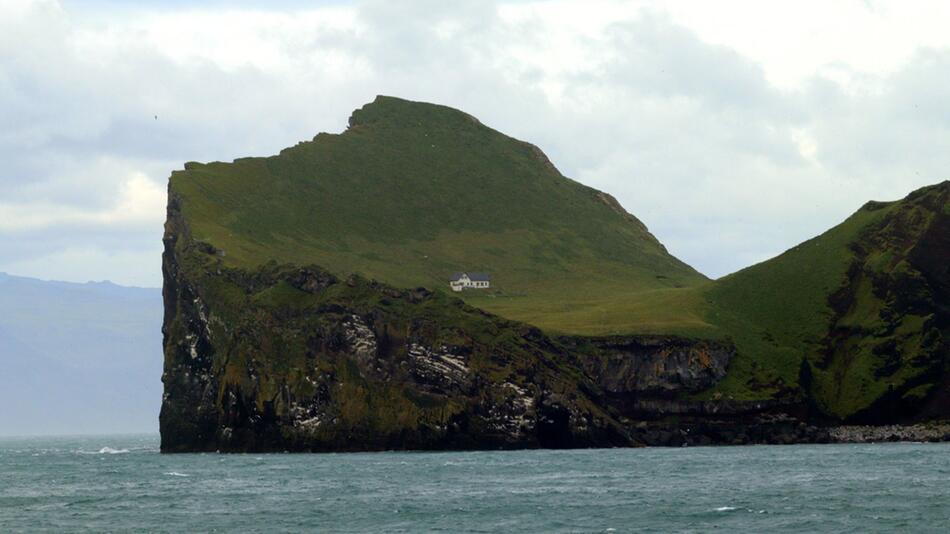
(657, 366)
(294, 358)
(290, 358)
(933, 432)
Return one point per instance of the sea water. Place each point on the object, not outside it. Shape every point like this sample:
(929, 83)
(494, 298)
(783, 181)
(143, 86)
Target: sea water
(122, 483)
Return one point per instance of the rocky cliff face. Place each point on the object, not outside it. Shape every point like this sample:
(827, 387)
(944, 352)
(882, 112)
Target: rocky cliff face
(285, 357)
(657, 366)
(886, 357)
(290, 358)
(294, 358)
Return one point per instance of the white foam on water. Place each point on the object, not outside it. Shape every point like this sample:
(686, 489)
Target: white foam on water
(105, 450)
(725, 508)
(110, 450)
(177, 474)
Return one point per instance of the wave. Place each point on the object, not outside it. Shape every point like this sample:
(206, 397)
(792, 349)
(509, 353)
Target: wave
(110, 450)
(725, 508)
(176, 474)
(105, 450)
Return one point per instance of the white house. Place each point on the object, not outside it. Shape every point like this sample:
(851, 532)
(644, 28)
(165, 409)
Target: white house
(460, 281)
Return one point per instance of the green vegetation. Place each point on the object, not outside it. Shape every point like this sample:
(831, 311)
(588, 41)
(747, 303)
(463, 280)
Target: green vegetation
(283, 343)
(853, 310)
(679, 311)
(777, 311)
(412, 192)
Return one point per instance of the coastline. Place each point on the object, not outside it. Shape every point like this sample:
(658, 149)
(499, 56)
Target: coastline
(921, 432)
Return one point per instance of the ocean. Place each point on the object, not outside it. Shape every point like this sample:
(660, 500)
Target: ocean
(122, 483)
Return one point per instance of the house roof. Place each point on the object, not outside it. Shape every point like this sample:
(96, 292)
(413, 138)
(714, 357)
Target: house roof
(474, 277)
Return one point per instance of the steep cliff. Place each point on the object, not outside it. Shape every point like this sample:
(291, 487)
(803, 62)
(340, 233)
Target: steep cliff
(294, 358)
(289, 326)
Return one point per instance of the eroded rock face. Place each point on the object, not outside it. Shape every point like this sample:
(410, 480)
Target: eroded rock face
(292, 358)
(442, 369)
(302, 361)
(658, 366)
(358, 366)
(360, 339)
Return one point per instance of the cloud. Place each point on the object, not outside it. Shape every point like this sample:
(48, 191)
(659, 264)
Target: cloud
(140, 201)
(733, 141)
(888, 136)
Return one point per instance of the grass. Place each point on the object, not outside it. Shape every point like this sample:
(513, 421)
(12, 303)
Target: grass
(621, 310)
(412, 192)
(779, 313)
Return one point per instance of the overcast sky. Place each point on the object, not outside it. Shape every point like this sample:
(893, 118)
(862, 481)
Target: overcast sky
(734, 130)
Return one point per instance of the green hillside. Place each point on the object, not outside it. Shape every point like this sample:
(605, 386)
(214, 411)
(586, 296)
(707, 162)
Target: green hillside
(412, 192)
(856, 316)
(854, 323)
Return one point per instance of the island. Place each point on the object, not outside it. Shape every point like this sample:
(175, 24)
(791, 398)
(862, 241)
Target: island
(307, 308)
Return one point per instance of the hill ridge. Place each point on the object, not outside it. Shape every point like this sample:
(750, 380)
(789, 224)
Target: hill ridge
(411, 192)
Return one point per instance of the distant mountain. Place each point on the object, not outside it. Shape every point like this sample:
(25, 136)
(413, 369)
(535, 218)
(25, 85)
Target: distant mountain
(78, 358)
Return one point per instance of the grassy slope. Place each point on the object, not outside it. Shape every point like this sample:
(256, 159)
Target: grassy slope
(779, 312)
(625, 310)
(412, 192)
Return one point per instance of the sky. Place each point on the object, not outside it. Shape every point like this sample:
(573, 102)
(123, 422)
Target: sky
(733, 129)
